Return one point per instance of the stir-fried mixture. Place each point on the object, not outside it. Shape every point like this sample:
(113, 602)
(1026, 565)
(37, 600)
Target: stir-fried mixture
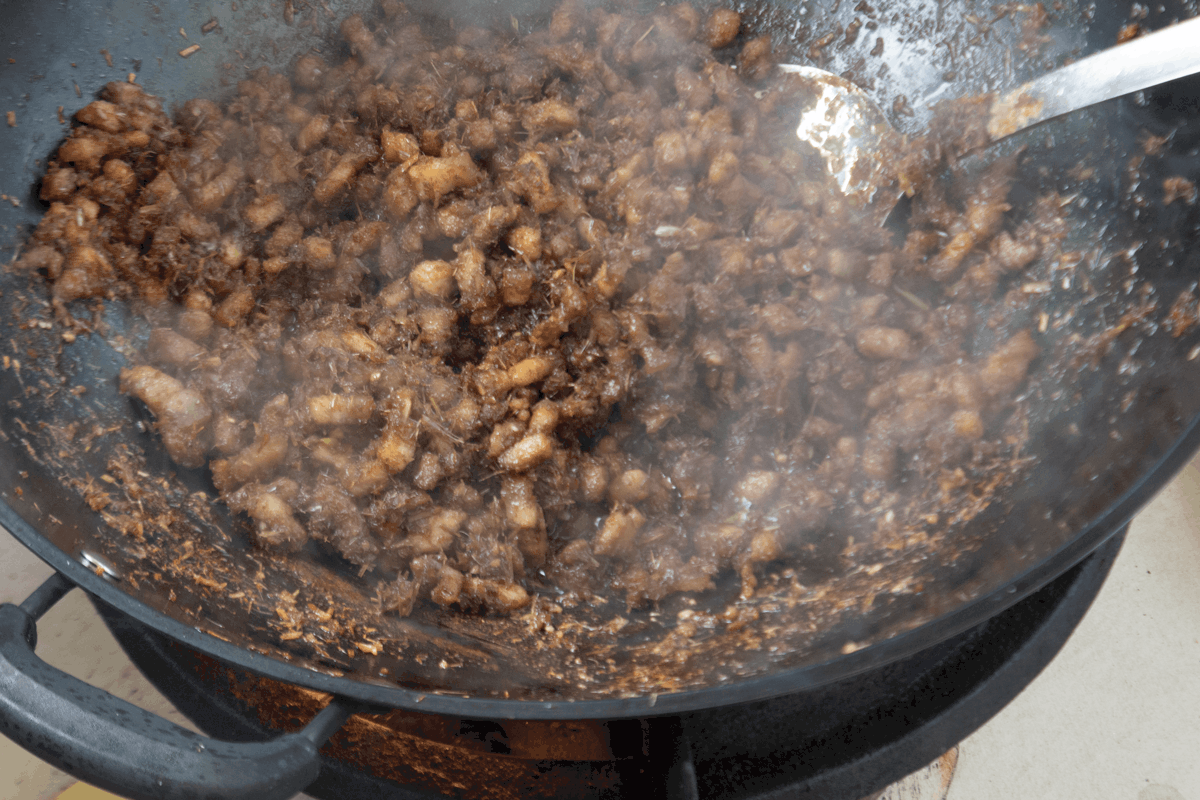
(484, 313)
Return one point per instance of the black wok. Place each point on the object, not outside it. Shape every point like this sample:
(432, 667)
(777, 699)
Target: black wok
(1105, 434)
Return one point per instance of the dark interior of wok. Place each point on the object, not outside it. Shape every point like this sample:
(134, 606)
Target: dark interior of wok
(530, 358)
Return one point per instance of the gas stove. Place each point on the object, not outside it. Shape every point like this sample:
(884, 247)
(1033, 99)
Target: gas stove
(846, 741)
(1116, 714)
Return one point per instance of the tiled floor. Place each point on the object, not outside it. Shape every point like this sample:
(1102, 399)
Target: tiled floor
(1117, 713)
(1116, 716)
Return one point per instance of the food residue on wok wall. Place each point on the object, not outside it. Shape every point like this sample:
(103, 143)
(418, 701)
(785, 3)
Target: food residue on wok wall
(488, 315)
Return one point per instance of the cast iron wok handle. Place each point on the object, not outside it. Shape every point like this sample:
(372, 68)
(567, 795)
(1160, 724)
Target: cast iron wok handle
(109, 743)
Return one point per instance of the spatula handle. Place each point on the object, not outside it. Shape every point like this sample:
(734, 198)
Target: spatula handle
(1146, 61)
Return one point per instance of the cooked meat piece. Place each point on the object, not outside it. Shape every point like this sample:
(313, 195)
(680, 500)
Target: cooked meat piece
(276, 527)
(721, 27)
(182, 413)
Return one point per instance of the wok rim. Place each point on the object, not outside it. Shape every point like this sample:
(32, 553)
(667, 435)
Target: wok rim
(808, 677)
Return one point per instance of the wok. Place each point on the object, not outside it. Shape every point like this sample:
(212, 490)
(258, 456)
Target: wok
(1106, 430)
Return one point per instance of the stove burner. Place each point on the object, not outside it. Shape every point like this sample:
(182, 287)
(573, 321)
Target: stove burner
(845, 741)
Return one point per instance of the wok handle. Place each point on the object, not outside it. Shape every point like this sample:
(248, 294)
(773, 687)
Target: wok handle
(117, 746)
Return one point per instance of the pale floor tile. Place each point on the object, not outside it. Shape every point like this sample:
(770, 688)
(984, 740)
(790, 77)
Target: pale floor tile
(1115, 716)
(73, 638)
(23, 777)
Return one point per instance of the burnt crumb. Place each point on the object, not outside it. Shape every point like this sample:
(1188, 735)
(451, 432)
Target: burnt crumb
(1129, 32)
(1178, 188)
(1184, 314)
(1153, 145)
(852, 31)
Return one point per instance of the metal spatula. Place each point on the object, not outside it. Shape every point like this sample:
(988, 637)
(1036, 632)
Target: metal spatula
(848, 129)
